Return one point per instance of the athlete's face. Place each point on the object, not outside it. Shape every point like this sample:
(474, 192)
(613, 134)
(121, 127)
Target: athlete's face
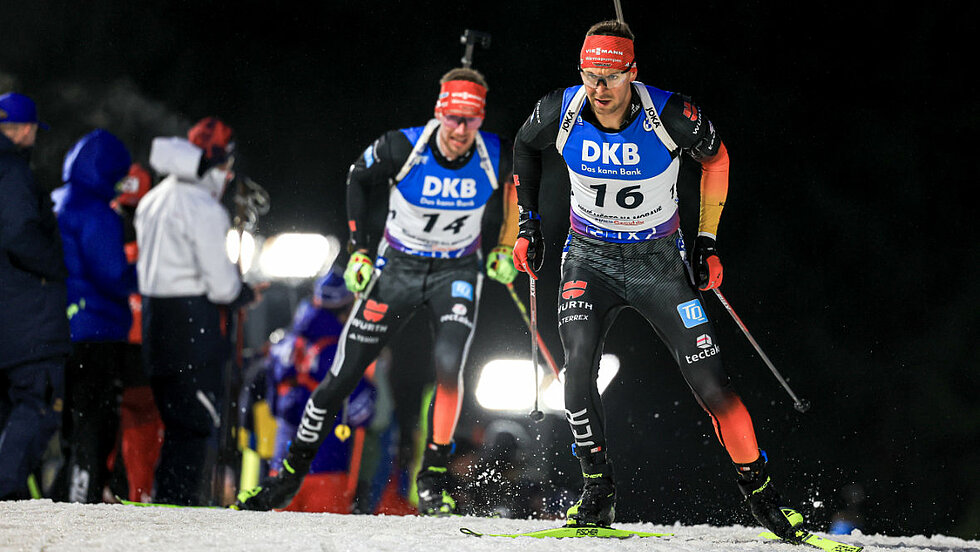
(456, 134)
(605, 101)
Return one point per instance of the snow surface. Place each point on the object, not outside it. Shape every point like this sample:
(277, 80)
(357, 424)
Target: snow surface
(35, 525)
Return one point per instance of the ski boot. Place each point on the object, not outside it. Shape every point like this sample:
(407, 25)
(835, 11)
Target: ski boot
(278, 491)
(597, 507)
(432, 482)
(765, 503)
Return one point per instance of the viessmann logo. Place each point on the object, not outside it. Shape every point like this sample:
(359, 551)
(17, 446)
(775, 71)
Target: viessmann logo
(466, 96)
(599, 51)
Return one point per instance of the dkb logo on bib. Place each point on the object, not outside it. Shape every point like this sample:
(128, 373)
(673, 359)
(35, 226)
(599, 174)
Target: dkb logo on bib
(610, 153)
(449, 187)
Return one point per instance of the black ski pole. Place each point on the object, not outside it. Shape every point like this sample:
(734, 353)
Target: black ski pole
(801, 405)
(537, 415)
(471, 38)
(619, 12)
(541, 344)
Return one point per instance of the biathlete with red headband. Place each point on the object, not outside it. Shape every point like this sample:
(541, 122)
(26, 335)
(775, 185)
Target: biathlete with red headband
(622, 142)
(436, 181)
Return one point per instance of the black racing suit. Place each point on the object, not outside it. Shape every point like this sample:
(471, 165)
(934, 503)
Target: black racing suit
(403, 283)
(600, 278)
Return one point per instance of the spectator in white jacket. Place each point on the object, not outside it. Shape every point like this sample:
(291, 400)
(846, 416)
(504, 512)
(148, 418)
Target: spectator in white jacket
(188, 286)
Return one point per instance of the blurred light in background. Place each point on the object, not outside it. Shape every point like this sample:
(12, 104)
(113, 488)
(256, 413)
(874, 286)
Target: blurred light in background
(508, 385)
(283, 256)
(245, 248)
(294, 255)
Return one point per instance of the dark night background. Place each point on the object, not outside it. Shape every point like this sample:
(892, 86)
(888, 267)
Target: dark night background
(845, 239)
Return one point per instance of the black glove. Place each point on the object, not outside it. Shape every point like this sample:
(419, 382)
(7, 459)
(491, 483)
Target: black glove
(529, 248)
(706, 263)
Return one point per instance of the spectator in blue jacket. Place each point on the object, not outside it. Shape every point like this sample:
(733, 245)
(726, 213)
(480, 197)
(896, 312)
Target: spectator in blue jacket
(33, 327)
(99, 283)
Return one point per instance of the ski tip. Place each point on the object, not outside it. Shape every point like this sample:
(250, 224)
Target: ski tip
(817, 542)
(470, 532)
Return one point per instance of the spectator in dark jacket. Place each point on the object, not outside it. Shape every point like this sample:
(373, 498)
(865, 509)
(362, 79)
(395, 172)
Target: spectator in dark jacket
(99, 283)
(33, 328)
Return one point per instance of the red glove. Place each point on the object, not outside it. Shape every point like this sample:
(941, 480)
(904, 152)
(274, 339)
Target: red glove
(529, 248)
(707, 265)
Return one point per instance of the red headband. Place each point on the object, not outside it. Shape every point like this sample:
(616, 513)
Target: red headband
(607, 51)
(461, 97)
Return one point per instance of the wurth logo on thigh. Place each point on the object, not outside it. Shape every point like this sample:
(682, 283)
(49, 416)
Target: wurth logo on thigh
(368, 326)
(374, 311)
(573, 289)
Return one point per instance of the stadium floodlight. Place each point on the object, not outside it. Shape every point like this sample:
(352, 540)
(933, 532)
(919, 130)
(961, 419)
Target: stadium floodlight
(554, 394)
(506, 384)
(297, 255)
(240, 250)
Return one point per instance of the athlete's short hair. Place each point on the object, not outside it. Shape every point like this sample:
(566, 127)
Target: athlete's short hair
(466, 74)
(611, 27)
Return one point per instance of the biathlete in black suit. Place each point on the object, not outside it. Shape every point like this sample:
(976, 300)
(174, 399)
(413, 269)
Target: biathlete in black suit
(436, 181)
(622, 142)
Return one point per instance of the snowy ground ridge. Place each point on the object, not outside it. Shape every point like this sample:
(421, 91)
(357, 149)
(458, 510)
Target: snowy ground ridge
(42, 525)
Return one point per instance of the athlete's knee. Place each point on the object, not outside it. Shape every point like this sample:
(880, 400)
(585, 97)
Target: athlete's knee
(448, 366)
(717, 397)
(448, 353)
(577, 368)
(329, 395)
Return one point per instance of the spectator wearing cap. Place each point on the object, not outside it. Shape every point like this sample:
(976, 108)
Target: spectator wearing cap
(99, 283)
(34, 338)
(188, 285)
